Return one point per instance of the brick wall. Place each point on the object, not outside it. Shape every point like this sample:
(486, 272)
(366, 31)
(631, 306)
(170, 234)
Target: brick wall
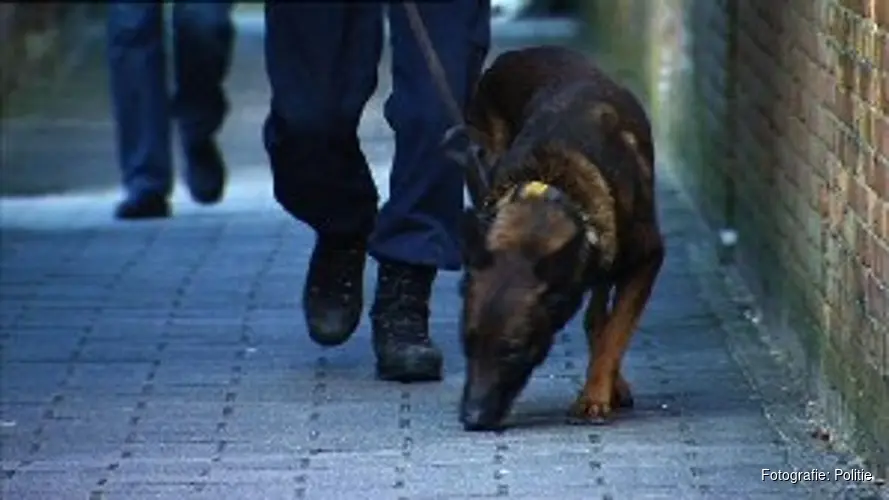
(778, 114)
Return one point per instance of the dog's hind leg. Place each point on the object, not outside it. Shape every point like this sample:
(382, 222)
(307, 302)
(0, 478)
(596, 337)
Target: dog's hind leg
(593, 322)
(596, 400)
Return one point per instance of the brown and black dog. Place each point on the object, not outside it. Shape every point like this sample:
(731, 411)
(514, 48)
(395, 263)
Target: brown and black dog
(570, 209)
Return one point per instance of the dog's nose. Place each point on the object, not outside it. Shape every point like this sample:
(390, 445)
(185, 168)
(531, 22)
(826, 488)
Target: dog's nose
(472, 420)
(475, 418)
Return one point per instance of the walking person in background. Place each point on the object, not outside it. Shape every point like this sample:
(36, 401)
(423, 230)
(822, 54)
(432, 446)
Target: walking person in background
(322, 63)
(203, 36)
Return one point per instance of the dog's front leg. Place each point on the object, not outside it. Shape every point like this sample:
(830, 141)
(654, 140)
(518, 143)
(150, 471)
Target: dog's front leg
(596, 400)
(593, 322)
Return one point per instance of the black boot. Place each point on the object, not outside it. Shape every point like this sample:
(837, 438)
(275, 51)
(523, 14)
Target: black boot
(400, 323)
(333, 293)
(205, 172)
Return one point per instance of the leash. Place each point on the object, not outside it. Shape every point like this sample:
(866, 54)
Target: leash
(460, 141)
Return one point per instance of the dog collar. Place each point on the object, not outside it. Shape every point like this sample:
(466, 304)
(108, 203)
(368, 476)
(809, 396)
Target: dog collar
(542, 190)
(526, 191)
(534, 189)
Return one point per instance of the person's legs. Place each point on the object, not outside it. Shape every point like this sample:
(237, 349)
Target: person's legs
(322, 60)
(203, 39)
(417, 229)
(140, 107)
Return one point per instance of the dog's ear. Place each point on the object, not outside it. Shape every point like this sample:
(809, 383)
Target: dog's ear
(559, 267)
(475, 253)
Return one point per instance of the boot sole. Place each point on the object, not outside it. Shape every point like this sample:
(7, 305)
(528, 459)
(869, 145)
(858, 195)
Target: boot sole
(333, 338)
(328, 339)
(159, 211)
(324, 330)
(407, 371)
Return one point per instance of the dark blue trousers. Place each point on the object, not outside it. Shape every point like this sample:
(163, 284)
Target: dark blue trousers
(322, 61)
(203, 37)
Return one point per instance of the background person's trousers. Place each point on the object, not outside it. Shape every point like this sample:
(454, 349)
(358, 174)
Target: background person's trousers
(203, 36)
(322, 61)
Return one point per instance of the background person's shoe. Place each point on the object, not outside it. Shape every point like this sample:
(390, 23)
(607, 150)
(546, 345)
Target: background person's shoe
(205, 172)
(142, 207)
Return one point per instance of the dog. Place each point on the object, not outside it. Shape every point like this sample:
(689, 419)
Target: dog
(569, 209)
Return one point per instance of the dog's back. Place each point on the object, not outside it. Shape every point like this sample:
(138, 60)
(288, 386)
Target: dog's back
(512, 86)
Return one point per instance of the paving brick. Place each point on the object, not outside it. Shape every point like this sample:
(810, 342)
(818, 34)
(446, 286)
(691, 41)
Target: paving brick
(152, 491)
(173, 469)
(630, 492)
(451, 480)
(50, 484)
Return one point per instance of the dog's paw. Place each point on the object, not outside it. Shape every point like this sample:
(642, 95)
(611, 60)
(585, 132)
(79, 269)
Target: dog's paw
(587, 410)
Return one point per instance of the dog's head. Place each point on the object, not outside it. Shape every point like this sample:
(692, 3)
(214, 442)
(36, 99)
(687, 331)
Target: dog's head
(523, 280)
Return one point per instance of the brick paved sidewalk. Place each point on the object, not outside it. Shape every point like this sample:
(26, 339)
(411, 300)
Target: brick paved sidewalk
(169, 360)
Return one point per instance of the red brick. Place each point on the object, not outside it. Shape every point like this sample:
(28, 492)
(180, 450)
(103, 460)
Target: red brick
(858, 198)
(849, 151)
(884, 101)
(881, 264)
(883, 225)
(881, 131)
(864, 245)
(872, 297)
(842, 108)
(847, 71)
(879, 177)
(866, 76)
(885, 60)
(824, 201)
(881, 13)
(875, 216)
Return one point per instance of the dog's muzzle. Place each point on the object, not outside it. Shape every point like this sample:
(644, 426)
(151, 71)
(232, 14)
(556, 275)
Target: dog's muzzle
(478, 413)
(487, 400)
